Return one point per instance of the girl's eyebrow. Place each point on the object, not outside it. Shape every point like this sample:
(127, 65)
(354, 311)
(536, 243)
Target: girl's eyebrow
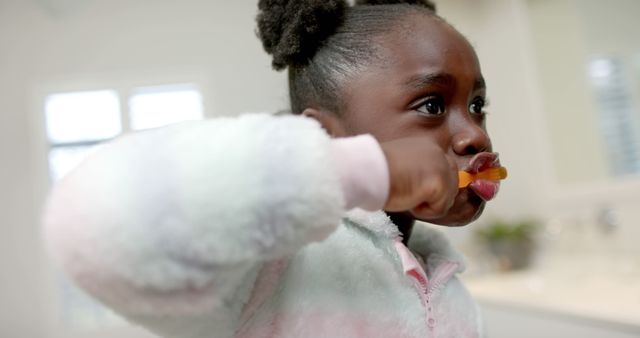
(441, 79)
(422, 80)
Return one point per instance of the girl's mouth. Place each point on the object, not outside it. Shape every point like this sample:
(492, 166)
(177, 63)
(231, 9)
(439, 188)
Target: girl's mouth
(485, 189)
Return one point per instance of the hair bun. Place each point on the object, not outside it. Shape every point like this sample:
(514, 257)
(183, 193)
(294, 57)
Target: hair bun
(293, 30)
(425, 3)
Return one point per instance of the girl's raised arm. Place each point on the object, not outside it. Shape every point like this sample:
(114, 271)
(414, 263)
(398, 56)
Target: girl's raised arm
(171, 227)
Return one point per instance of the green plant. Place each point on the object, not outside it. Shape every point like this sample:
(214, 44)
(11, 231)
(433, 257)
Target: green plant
(511, 243)
(505, 230)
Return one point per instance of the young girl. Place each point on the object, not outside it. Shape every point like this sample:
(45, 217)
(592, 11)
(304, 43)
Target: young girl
(300, 225)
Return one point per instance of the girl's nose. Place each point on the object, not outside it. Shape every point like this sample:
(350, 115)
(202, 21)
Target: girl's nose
(471, 138)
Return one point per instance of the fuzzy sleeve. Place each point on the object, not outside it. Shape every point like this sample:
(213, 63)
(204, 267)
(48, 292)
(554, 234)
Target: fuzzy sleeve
(176, 222)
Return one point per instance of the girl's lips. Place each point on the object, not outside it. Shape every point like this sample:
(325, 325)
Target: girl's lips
(482, 161)
(487, 190)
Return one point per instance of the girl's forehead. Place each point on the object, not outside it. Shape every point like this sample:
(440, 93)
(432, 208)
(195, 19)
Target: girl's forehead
(428, 45)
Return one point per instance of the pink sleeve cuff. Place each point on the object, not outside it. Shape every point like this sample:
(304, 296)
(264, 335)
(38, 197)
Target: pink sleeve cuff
(363, 171)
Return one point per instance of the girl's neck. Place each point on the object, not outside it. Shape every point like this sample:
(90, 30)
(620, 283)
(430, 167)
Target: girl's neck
(404, 221)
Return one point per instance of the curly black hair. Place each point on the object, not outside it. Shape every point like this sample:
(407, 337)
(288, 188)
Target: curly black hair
(322, 42)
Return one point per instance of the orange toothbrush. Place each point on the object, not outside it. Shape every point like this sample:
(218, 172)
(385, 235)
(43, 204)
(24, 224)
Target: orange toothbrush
(491, 174)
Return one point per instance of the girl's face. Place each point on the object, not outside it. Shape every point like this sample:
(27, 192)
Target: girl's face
(429, 84)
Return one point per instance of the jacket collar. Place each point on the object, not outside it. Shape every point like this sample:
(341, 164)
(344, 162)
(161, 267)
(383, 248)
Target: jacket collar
(426, 240)
(375, 221)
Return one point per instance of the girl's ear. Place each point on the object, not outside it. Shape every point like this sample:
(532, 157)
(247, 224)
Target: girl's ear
(328, 120)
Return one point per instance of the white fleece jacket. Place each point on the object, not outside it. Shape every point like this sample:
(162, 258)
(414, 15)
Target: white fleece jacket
(238, 227)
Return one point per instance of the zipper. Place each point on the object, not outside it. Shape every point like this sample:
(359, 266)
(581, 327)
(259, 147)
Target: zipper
(440, 277)
(426, 289)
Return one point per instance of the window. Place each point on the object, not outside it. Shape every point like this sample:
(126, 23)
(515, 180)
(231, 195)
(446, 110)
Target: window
(159, 106)
(617, 113)
(76, 122)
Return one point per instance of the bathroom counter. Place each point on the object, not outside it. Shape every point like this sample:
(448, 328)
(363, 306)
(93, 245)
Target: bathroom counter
(604, 291)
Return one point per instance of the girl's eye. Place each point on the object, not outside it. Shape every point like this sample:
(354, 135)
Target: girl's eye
(477, 106)
(432, 106)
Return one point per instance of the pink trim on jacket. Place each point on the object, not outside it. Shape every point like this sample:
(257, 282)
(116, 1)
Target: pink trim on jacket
(426, 289)
(363, 171)
(266, 284)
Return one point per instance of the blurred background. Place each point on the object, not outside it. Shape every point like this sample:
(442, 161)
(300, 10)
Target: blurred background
(555, 255)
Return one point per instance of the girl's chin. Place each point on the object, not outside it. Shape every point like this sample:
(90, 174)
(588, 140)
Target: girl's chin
(466, 209)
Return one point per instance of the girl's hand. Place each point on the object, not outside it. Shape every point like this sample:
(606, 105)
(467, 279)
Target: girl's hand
(423, 178)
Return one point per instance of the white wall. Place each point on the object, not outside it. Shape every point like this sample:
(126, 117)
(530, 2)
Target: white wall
(566, 35)
(560, 50)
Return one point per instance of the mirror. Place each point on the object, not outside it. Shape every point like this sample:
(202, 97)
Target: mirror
(588, 58)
